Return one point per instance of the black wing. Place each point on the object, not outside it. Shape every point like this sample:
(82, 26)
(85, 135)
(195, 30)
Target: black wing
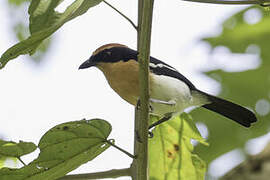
(160, 68)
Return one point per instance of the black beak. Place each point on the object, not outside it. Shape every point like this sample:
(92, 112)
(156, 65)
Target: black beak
(87, 64)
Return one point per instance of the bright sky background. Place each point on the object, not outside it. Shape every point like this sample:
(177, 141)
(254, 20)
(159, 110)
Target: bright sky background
(36, 98)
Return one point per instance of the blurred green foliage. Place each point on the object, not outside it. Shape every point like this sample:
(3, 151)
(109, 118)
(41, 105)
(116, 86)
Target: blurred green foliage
(44, 20)
(18, 9)
(244, 32)
(17, 2)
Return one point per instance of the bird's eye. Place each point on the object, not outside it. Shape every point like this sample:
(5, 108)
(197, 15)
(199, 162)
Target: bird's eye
(109, 53)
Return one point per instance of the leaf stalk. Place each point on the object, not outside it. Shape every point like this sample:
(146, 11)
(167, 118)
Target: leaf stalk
(120, 149)
(124, 16)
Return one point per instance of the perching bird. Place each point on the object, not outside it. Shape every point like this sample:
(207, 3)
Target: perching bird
(170, 92)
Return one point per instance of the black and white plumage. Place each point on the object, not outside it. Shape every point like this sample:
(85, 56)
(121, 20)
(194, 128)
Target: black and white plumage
(170, 91)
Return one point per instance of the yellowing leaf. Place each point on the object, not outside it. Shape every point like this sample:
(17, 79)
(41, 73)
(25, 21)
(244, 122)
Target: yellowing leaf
(171, 152)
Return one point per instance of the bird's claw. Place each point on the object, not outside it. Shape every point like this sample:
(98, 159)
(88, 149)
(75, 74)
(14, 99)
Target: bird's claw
(138, 106)
(150, 134)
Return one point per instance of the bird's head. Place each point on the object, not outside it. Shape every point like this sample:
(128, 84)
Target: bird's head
(109, 53)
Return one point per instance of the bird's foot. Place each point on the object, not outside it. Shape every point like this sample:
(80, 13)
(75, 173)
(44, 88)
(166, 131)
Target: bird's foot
(164, 119)
(138, 106)
(150, 134)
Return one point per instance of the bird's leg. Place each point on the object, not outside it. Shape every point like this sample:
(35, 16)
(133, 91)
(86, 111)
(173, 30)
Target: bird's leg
(171, 102)
(164, 119)
(151, 109)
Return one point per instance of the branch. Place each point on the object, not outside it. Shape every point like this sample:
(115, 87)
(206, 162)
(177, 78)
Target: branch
(253, 168)
(140, 164)
(124, 16)
(233, 2)
(114, 173)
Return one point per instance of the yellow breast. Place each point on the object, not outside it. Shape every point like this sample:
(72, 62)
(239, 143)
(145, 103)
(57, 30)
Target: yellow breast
(123, 78)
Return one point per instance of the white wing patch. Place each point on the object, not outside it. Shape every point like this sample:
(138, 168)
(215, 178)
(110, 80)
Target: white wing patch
(168, 89)
(152, 65)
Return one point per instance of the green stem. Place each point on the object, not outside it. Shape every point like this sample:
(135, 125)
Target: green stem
(114, 173)
(120, 149)
(140, 164)
(124, 16)
(229, 2)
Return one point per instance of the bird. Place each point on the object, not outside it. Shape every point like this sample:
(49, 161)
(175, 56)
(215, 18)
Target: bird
(170, 92)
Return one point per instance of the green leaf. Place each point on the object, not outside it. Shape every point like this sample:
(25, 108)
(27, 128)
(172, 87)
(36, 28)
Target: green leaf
(62, 149)
(245, 88)
(2, 161)
(12, 149)
(17, 2)
(237, 34)
(44, 21)
(171, 152)
(18, 8)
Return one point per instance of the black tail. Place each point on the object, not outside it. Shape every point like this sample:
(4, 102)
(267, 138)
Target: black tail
(230, 110)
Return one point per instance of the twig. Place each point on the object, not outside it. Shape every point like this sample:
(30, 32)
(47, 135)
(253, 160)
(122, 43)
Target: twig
(124, 16)
(120, 149)
(230, 2)
(21, 161)
(114, 173)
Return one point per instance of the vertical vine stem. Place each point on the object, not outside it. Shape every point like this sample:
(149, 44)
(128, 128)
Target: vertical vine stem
(140, 163)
